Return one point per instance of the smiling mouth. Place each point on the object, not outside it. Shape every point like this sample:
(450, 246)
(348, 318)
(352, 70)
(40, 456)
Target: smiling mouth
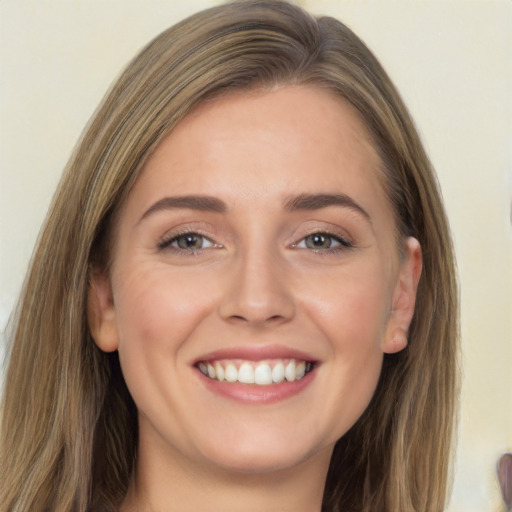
(258, 373)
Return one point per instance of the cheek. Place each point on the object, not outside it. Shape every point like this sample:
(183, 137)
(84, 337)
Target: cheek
(351, 310)
(160, 304)
(357, 365)
(157, 309)
(351, 307)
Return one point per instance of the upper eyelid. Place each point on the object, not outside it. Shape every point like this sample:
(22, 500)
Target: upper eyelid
(344, 241)
(169, 238)
(207, 232)
(328, 231)
(167, 243)
(186, 229)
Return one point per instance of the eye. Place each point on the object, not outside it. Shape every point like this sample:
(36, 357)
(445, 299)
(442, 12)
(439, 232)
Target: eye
(187, 242)
(323, 241)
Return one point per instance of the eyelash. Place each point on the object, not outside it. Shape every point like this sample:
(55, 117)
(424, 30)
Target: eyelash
(167, 243)
(343, 243)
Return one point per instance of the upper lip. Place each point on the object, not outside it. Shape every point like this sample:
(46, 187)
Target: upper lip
(257, 353)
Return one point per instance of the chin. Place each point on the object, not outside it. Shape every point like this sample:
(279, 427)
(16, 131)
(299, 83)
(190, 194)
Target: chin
(265, 454)
(261, 463)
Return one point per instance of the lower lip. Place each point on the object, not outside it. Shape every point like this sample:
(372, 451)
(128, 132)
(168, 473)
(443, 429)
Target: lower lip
(251, 393)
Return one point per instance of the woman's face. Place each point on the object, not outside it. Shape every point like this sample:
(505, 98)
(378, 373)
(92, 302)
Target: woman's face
(256, 283)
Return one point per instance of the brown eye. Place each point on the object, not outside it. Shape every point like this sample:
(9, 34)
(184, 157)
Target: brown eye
(318, 241)
(189, 241)
(323, 242)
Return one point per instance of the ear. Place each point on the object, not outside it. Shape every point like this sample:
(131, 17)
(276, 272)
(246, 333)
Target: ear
(101, 312)
(404, 299)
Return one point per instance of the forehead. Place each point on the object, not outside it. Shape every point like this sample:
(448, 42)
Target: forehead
(299, 125)
(258, 147)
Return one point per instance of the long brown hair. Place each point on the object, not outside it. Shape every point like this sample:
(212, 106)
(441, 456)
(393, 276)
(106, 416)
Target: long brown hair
(69, 426)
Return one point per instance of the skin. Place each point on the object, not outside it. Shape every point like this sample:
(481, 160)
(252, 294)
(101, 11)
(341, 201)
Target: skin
(256, 282)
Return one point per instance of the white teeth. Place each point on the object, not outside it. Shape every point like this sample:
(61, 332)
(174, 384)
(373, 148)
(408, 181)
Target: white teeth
(278, 373)
(219, 371)
(289, 371)
(246, 374)
(231, 373)
(300, 370)
(264, 373)
(203, 368)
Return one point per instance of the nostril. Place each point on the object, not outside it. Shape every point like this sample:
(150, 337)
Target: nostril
(273, 319)
(256, 294)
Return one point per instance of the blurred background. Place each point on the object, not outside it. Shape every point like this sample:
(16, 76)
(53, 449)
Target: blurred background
(452, 62)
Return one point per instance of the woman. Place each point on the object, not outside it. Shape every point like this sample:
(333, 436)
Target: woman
(225, 309)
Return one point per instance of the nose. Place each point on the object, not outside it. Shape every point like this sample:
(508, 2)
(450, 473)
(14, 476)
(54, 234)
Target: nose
(258, 292)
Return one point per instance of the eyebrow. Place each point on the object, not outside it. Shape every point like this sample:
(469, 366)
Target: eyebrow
(319, 201)
(292, 204)
(201, 203)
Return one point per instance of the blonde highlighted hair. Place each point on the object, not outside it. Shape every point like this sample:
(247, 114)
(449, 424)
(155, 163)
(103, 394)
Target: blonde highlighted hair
(69, 426)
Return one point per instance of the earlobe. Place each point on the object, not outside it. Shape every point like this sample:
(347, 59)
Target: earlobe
(404, 299)
(396, 342)
(101, 312)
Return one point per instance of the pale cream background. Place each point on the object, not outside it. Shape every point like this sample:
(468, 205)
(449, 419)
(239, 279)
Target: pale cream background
(450, 59)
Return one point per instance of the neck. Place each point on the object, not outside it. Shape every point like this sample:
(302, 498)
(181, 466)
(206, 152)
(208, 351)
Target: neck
(180, 486)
